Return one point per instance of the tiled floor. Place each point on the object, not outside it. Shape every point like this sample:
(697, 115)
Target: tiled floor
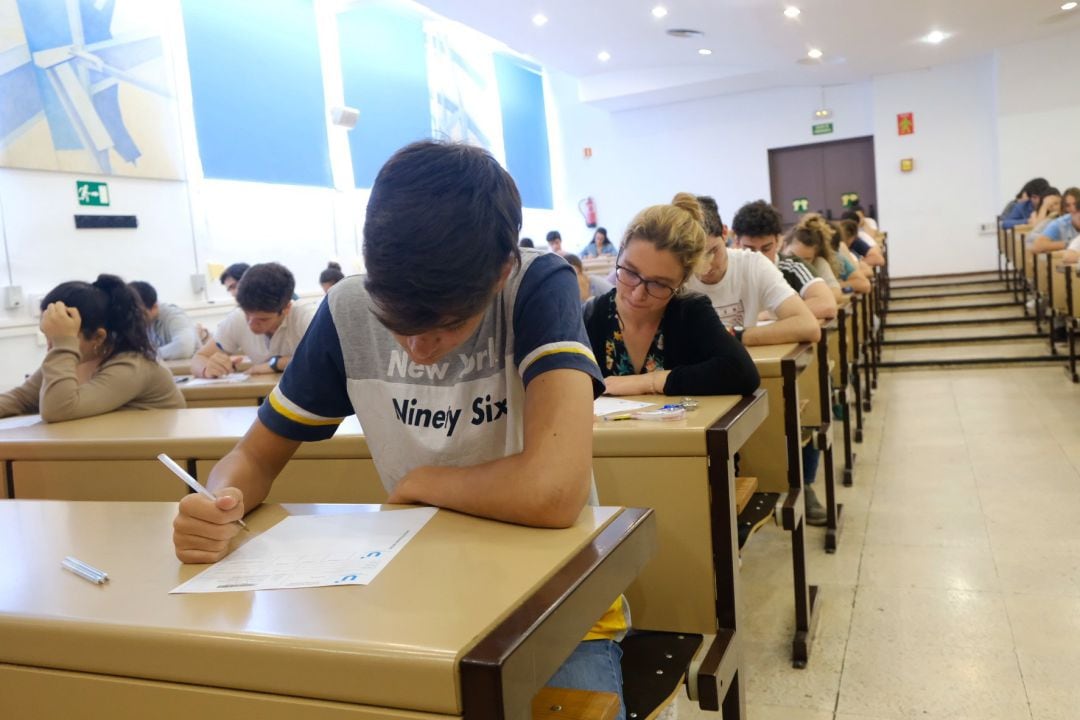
(955, 593)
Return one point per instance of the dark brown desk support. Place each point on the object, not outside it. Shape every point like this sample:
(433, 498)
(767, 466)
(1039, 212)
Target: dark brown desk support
(843, 323)
(822, 436)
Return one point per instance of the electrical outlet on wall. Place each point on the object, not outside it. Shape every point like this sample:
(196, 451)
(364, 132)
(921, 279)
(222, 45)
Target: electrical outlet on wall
(13, 297)
(34, 303)
(198, 283)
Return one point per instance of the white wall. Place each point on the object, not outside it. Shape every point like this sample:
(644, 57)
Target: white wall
(717, 146)
(1038, 114)
(933, 214)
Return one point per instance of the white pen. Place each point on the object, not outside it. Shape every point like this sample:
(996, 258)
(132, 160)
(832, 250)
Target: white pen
(190, 481)
(84, 571)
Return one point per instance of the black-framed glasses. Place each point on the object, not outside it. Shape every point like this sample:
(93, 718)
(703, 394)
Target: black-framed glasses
(629, 278)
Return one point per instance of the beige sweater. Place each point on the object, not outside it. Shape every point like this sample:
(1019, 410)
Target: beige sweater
(126, 380)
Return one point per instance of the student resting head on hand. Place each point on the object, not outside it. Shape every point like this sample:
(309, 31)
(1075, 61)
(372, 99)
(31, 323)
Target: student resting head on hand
(650, 336)
(100, 357)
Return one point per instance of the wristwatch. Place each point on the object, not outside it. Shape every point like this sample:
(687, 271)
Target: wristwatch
(739, 330)
(274, 364)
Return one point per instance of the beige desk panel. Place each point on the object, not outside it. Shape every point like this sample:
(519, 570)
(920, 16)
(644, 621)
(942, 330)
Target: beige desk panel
(675, 590)
(764, 455)
(768, 358)
(373, 645)
(225, 402)
(645, 438)
(142, 434)
(810, 389)
(3, 481)
(58, 695)
(134, 480)
(322, 481)
(250, 391)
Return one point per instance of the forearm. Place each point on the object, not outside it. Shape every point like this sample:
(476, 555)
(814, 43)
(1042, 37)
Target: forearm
(1044, 244)
(823, 306)
(22, 400)
(801, 328)
(182, 346)
(253, 465)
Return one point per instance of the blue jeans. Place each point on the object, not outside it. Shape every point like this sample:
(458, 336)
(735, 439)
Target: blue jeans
(810, 458)
(594, 665)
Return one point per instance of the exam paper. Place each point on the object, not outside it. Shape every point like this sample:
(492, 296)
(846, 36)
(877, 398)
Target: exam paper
(314, 551)
(198, 382)
(608, 405)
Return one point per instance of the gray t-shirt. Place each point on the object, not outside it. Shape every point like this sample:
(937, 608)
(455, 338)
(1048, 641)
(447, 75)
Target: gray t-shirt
(173, 333)
(465, 409)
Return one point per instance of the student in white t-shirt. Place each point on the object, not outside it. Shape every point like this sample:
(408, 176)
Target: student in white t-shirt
(266, 328)
(741, 284)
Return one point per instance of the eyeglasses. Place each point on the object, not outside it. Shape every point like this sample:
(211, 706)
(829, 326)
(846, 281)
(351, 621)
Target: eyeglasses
(628, 277)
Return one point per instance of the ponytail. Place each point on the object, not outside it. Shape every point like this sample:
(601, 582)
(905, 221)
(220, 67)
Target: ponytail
(109, 304)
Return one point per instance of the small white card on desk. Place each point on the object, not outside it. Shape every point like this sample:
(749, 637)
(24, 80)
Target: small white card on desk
(189, 381)
(607, 405)
(19, 421)
(314, 551)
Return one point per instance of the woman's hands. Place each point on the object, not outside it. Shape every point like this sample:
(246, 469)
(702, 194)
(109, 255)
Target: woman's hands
(58, 321)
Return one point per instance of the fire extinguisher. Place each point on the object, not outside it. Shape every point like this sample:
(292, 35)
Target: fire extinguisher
(587, 208)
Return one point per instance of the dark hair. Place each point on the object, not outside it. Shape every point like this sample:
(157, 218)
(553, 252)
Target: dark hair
(525, 243)
(266, 287)
(574, 261)
(145, 291)
(442, 223)
(757, 219)
(554, 235)
(1072, 192)
(1051, 191)
(607, 238)
(235, 271)
(849, 230)
(714, 226)
(1036, 186)
(851, 215)
(110, 304)
(332, 274)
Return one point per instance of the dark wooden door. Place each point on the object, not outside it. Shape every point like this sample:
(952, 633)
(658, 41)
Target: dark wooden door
(824, 173)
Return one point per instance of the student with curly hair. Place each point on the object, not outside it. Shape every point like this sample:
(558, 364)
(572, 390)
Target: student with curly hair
(100, 357)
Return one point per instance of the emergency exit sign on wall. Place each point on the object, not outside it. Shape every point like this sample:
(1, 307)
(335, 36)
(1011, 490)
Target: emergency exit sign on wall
(823, 128)
(92, 193)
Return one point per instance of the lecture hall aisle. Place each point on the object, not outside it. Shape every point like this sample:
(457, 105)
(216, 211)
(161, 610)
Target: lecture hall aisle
(955, 592)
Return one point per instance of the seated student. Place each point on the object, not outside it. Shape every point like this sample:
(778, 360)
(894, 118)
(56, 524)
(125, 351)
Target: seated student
(649, 337)
(758, 227)
(853, 274)
(851, 236)
(1021, 212)
(231, 277)
(172, 332)
(810, 241)
(1023, 194)
(266, 328)
(1049, 209)
(445, 284)
(525, 243)
(554, 241)
(742, 284)
(599, 246)
(331, 276)
(589, 285)
(99, 359)
(1060, 232)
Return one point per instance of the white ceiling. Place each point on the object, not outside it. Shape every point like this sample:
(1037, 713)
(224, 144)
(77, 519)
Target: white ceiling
(754, 46)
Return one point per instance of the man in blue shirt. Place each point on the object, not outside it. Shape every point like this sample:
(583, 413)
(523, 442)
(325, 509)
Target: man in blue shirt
(1028, 202)
(1062, 231)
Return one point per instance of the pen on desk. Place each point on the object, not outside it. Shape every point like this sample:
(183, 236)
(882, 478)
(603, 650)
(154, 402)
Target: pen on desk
(190, 481)
(86, 572)
(614, 418)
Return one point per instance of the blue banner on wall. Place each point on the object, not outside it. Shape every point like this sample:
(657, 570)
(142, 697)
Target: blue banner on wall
(524, 121)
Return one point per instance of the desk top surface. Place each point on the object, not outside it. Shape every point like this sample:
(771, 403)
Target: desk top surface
(645, 438)
(142, 434)
(394, 643)
(254, 386)
(770, 358)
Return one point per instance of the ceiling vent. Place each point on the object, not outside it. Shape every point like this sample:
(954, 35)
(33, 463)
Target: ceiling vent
(685, 33)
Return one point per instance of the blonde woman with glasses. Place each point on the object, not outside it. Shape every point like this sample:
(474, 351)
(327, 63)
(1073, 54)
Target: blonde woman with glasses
(651, 336)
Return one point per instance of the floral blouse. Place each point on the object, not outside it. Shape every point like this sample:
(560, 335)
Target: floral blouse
(617, 358)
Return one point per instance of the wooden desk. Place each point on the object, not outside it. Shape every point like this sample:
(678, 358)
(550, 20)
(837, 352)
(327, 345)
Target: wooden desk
(840, 357)
(685, 471)
(470, 620)
(178, 367)
(815, 385)
(779, 367)
(250, 392)
(1068, 309)
(113, 457)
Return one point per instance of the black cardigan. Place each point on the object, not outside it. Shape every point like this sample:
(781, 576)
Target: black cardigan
(704, 359)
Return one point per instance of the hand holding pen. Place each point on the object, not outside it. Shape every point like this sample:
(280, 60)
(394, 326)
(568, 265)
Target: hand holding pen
(205, 522)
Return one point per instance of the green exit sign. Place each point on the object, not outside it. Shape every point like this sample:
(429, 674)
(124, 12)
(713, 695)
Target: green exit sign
(92, 193)
(823, 128)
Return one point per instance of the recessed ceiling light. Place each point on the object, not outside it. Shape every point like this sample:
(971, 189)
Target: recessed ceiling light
(814, 54)
(603, 56)
(1069, 6)
(792, 12)
(704, 51)
(659, 11)
(539, 20)
(936, 37)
